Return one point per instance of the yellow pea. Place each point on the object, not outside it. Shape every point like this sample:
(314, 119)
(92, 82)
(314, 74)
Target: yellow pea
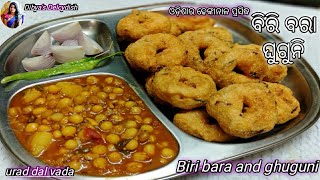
(75, 165)
(13, 112)
(135, 110)
(90, 156)
(53, 89)
(112, 96)
(167, 153)
(39, 101)
(108, 80)
(115, 157)
(100, 117)
(44, 128)
(152, 138)
(102, 95)
(113, 138)
(143, 136)
(100, 162)
(31, 127)
(92, 80)
(78, 108)
(76, 118)
(129, 104)
(27, 109)
(39, 110)
(92, 122)
(117, 90)
(131, 124)
(69, 131)
(117, 118)
(64, 102)
(106, 125)
(138, 118)
(56, 116)
(132, 144)
(99, 149)
(140, 156)
(107, 89)
(57, 134)
(134, 167)
(150, 149)
(85, 93)
(46, 114)
(130, 133)
(80, 99)
(97, 108)
(146, 127)
(94, 89)
(71, 144)
(118, 129)
(147, 120)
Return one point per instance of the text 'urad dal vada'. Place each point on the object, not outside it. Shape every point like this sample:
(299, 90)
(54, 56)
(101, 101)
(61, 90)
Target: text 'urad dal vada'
(203, 49)
(193, 23)
(244, 110)
(287, 105)
(141, 23)
(154, 51)
(244, 63)
(182, 87)
(199, 124)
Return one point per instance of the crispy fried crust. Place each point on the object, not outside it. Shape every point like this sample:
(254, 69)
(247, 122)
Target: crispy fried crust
(244, 63)
(287, 105)
(141, 23)
(154, 51)
(197, 123)
(203, 41)
(244, 110)
(182, 87)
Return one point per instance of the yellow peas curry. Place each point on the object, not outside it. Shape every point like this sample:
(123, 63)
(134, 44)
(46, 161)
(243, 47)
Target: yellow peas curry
(97, 125)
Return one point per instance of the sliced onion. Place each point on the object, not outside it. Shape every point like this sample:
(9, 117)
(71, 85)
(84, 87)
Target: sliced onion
(90, 46)
(64, 54)
(69, 32)
(38, 63)
(70, 43)
(42, 46)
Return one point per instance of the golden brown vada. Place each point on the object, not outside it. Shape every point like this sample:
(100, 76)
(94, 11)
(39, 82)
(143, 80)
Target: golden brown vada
(182, 87)
(287, 105)
(244, 110)
(243, 63)
(140, 23)
(155, 51)
(199, 124)
(203, 49)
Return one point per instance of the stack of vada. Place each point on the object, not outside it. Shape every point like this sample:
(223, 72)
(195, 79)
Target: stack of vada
(222, 90)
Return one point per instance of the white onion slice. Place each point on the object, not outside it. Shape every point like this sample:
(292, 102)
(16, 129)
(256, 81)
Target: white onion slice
(64, 54)
(69, 32)
(90, 46)
(70, 43)
(38, 63)
(42, 46)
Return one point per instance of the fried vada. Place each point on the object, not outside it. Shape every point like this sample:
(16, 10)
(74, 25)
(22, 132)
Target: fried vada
(244, 110)
(140, 23)
(182, 87)
(155, 51)
(199, 124)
